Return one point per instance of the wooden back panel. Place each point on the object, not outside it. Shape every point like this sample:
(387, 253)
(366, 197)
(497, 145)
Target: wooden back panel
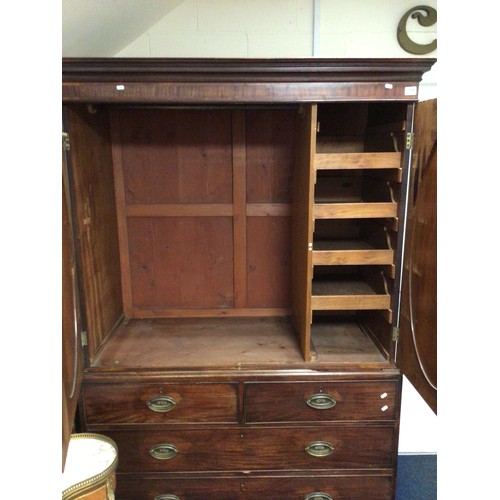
(270, 148)
(175, 156)
(203, 200)
(270, 155)
(180, 262)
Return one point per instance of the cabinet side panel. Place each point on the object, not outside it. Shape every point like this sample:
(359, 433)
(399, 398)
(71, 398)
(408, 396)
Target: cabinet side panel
(302, 226)
(96, 222)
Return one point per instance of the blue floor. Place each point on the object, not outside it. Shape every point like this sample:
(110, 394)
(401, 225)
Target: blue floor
(417, 477)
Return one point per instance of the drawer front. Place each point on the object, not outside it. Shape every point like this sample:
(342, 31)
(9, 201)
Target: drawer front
(160, 403)
(319, 402)
(233, 449)
(359, 487)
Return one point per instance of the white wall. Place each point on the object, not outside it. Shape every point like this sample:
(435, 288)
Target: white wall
(230, 28)
(284, 28)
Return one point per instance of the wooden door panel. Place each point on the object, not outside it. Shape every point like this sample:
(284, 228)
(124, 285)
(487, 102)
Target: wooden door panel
(417, 345)
(72, 356)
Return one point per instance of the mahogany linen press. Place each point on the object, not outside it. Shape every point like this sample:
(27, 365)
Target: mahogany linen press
(242, 238)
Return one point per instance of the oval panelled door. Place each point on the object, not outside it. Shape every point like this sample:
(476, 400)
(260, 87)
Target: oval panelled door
(72, 356)
(417, 343)
(423, 272)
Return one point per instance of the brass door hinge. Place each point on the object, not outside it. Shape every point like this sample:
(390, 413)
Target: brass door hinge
(85, 342)
(65, 140)
(395, 334)
(409, 140)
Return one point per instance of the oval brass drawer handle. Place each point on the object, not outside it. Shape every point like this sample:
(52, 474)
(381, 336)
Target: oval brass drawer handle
(319, 449)
(163, 451)
(167, 497)
(161, 404)
(321, 401)
(318, 495)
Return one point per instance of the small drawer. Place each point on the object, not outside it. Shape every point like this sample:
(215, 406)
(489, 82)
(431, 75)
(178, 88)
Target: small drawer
(355, 487)
(320, 402)
(160, 403)
(258, 448)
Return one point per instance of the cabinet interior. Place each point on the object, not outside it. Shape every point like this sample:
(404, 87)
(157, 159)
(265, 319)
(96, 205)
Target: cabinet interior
(194, 226)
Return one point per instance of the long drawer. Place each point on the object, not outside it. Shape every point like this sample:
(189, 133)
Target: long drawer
(318, 402)
(161, 403)
(256, 448)
(356, 487)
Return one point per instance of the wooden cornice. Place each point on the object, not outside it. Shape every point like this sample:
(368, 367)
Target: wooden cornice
(238, 80)
(249, 70)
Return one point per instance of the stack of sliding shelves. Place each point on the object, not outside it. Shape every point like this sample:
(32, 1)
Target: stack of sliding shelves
(355, 214)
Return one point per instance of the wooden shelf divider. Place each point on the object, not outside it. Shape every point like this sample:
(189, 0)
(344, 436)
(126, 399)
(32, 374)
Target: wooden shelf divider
(350, 302)
(362, 210)
(353, 257)
(357, 161)
(338, 295)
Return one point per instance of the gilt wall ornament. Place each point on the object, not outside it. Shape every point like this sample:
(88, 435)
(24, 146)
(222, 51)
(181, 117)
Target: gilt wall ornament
(426, 16)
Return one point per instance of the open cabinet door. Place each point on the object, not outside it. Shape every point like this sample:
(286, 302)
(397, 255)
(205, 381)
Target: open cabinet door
(416, 354)
(72, 355)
